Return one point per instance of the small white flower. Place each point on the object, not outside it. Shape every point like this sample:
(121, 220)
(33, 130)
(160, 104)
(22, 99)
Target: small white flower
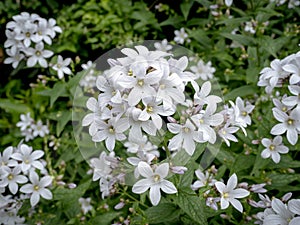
(288, 123)
(38, 54)
(229, 193)
(202, 70)
(62, 66)
(155, 181)
(25, 122)
(228, 3)
(28, 158)
(85, 204)
(15, 57)
(226, 133)
(180, 36)
(111, 131)
(203, 180)
(185, 137)
(12, 179)
(281, 214)
(37, 188)
(5, 158)
(39, 129)
(163, 46)
(101, 167)
(273, 148)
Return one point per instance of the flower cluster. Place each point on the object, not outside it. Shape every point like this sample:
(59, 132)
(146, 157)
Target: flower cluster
(284, 211)
(31, 129)
(287, 107)
(136, 97)
(20, 170)
(26, 36)
(217, 192)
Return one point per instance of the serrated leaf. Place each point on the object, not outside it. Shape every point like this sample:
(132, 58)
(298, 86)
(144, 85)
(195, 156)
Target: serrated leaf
(162, 213)
(193, 207)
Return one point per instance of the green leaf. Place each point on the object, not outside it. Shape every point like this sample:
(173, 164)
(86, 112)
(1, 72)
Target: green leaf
(69, 198)
(62, 120)
(241, 91)
(162, 213)
(241, 39)
(16, 106)
(242, 162)
(174, 21)
(192, 206)
(104, 219)
(58, 90)
(185, 8)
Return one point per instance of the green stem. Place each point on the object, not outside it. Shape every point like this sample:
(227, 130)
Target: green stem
(134, 199)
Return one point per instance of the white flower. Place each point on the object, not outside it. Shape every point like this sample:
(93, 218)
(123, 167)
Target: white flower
(240, 115)
(25, 122)
(185, 137)
(15, 57)
(229, 193)
(205, 121)
(203, 180)
(202, 97)
(39, 129)
(101, 167)
(292, 100)
(281, 214)
(37, 188)
(111, 131)
(42, 33)
(155, 181)
(5, 160)
(293, 67)
(228, 3)
(85, 204)
(202, 70)
(27, 34)
(273, 148)
(226, 133)
(12, 179)
(11, 217)
(38, 54)
(288, 123)
(52, 28)
(180, 36)
(62, 66)
(28, 158)
(154, 110)
(271, 76)
(163, 46)
(249, 27)
(140, 82)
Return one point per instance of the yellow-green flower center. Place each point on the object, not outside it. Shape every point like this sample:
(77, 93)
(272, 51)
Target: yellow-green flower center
(244, 113)
(272, 147)
(156, 178)
(290, 122)
(149, 109)
(111, 130)
(36, 187)
(140, 82)
(38, 53)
